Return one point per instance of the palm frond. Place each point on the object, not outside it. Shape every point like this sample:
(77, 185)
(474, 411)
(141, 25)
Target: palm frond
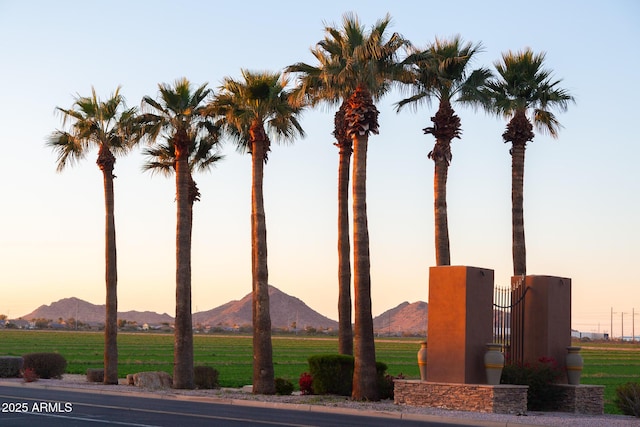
(522, 84)
(91, 123)
(259, 97)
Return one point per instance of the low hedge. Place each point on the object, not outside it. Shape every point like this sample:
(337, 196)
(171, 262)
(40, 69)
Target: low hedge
(45, 365)
(10, 366)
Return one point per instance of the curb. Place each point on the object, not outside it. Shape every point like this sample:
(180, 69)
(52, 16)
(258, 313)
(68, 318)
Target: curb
(304, 407)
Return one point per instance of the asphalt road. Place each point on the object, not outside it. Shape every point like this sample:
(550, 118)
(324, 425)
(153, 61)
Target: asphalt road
(34, 407)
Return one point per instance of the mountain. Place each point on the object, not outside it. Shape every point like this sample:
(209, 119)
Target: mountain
(86, 312)
(284, 309)
(405, 318)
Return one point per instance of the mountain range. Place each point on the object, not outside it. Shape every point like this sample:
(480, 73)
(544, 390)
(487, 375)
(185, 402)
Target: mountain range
(287, 312)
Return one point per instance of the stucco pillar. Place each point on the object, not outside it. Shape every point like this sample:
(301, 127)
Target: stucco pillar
(459, 326)
(547, 318)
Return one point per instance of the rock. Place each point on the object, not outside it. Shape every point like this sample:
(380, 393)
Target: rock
(152, 380)
(130, 379)
(95, 375)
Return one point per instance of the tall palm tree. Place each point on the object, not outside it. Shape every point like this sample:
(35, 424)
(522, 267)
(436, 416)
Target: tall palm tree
(524, 92)
(321, 84)
(442, 71)
(254, 110)
(356, 67)
(109, 126)
(348, 57)
(177, 114)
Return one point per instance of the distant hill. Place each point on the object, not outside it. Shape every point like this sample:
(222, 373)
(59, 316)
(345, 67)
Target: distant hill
(86, 312)
(405, 318)
(284, 309)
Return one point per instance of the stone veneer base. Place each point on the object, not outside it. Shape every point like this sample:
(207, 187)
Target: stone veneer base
(581, 399)
(499, 399)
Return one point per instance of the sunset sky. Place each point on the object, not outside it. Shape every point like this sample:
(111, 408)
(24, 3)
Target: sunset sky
(582, 191)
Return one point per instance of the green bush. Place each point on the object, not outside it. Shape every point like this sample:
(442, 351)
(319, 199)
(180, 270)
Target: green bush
(331, 373)
(283, 387)
(10, 366)
(628, 399)
(540, 377)
(45, 365)
(205, 377)
(385, 382)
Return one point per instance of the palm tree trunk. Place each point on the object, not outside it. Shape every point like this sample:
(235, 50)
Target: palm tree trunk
(443, 256)
(517, 209)
(263, 374)
(183, 339)
(364, 374)
(446, 127)
(519, 131)
(345, 332)
(106, 161)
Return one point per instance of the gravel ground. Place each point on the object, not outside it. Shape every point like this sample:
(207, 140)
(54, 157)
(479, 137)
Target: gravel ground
(240, 396)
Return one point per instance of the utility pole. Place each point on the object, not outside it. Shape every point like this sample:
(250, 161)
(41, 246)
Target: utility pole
(633, 325)
(611, 330)
(622, 313)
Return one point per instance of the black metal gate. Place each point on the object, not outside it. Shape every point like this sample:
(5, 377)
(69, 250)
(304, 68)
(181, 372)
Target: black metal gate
(508, 320)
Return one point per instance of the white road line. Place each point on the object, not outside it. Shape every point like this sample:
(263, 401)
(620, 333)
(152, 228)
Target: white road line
(92, 420)
(128, 408)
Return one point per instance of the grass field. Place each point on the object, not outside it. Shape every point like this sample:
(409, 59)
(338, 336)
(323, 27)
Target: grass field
(608, 364)
(231, 355)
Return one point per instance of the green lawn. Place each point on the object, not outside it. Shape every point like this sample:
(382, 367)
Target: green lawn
(608, 364)
(231, 355)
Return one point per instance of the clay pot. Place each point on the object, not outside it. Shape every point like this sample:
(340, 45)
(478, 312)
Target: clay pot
(574, 363)
(493, 363)
(422, 360)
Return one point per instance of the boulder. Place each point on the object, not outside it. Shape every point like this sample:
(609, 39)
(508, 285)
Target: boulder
(152, 380)
(95, 375)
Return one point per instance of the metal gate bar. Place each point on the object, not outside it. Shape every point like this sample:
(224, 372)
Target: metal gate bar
(508, 320)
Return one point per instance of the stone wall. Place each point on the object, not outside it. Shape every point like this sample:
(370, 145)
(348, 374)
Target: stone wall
(582, 399)
(500, 399)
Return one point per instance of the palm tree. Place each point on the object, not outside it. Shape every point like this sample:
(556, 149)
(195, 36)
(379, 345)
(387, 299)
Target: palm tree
(523, 92)
(177, 114)
(442, 71)
(349, 58)
(321, 84)
(356, 66)
(107, 125)
(255, 110)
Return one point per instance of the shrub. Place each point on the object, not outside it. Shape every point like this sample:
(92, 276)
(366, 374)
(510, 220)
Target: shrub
(10, 366)
(385, 383)
(283, 387)
(29, 375)
(331, 373)
(205, 377)
(45, 365)
(306, 383)
(540, 377)
(628, 399)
